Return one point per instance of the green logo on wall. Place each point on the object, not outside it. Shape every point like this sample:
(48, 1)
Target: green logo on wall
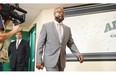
(110, 27)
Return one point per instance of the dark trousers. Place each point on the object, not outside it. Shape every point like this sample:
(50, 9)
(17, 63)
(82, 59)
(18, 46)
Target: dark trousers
(1, 66)
(17, 69)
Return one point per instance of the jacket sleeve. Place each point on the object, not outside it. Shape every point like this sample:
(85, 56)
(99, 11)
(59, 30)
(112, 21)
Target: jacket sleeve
(72, 45)
(40, 45)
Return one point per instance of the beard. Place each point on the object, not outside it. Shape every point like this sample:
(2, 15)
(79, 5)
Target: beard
(59, 18)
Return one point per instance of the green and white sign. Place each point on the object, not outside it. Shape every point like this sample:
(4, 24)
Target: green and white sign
(93, 32)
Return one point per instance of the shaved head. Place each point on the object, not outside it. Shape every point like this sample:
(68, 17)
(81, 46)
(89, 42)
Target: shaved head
(59, 14)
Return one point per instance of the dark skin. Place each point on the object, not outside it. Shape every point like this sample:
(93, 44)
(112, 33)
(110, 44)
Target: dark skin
(59, 17)
(59, 14)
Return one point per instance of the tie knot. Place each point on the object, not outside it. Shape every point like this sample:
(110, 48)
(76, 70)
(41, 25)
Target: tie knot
(59, 24)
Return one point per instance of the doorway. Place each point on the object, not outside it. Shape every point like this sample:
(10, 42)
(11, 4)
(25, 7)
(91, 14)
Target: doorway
(32, 47)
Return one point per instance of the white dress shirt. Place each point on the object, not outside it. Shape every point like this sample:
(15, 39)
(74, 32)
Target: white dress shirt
(61, 25)
(18, 41)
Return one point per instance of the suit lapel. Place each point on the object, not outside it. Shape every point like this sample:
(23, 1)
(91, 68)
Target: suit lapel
(15, 45)
(20, 43)
(55, 31)
(64, 33)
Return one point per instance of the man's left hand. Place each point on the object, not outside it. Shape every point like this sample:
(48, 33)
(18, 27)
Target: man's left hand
(81, 58)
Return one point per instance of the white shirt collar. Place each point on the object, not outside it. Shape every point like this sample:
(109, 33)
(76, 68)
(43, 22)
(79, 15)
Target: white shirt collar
(19, 40)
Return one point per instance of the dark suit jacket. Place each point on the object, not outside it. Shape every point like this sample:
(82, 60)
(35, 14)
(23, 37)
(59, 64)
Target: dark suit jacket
(19, 56)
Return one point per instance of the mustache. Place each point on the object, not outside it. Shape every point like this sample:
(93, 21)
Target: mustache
(59, 17)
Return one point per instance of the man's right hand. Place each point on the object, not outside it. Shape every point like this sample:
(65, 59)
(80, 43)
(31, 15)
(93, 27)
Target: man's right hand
(16, 28)
(39, 66)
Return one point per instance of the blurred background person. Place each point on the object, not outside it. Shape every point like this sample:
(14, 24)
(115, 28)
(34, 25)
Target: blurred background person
(19, 51)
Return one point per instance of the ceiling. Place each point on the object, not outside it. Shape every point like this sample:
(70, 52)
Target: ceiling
(33, 11)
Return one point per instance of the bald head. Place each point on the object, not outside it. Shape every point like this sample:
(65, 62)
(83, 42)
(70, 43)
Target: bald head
(58, 8)
(59, 14)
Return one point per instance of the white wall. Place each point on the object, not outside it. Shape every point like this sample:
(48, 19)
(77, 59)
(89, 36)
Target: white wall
(46, 16)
